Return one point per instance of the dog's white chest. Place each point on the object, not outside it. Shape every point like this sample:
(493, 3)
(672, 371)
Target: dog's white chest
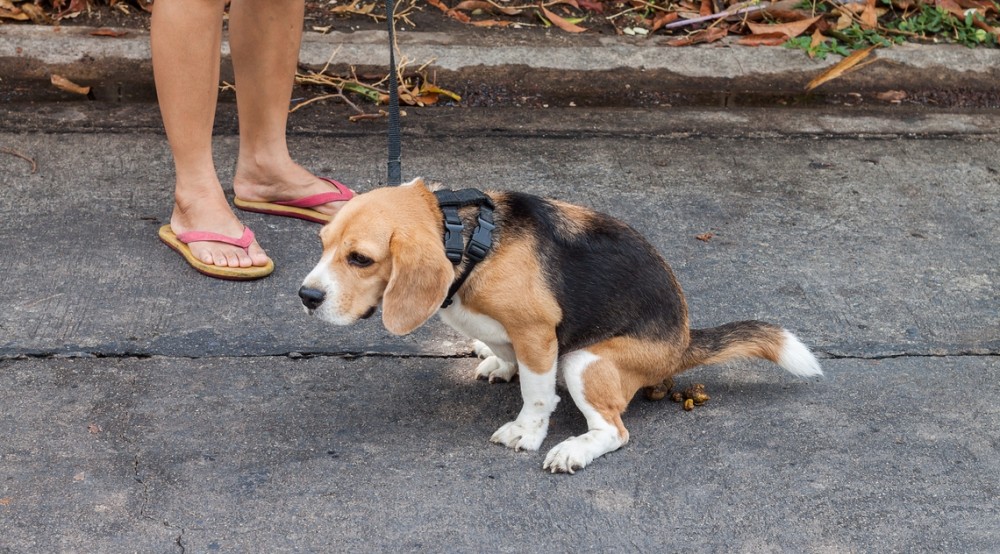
(471, 324)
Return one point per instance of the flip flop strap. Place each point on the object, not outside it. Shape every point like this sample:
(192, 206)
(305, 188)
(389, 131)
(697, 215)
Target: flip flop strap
(343, 193)
(243, 242)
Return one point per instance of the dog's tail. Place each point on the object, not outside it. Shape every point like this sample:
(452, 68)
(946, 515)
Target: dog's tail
(751, 339)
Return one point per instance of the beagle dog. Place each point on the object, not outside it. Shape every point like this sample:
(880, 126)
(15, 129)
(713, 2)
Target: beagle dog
(561, 288)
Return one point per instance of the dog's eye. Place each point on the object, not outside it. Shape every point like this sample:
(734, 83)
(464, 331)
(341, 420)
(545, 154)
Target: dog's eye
(359, 260)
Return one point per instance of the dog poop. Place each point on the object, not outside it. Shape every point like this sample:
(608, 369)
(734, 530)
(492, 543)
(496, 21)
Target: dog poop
(692, 396)
(659, 392)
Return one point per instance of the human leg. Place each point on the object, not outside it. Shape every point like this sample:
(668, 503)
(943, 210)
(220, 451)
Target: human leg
(265, 36)
(185, 38)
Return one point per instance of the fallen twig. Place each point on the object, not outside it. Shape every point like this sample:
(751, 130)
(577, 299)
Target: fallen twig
(15, 153)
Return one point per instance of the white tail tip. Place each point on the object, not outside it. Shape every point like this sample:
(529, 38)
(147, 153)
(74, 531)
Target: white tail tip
(797, 359)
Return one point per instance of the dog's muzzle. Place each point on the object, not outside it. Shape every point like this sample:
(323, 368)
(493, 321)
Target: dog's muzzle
(311, 298)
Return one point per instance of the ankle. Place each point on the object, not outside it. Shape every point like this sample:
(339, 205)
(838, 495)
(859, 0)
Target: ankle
(263, 164)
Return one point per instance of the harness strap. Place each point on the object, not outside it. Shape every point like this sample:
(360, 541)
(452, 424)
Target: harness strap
(481, 240)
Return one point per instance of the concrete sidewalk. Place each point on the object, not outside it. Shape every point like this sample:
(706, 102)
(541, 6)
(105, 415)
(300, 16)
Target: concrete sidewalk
(391, 455)
(146, 408)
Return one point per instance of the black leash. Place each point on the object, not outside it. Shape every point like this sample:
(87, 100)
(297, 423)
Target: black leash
(395, 163)
(481, 240)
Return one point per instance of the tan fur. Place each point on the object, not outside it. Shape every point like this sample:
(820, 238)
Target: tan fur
(410, 273)
(641, 363)
(510, 288)
(766, 344)
(577, 219)
(769, 350)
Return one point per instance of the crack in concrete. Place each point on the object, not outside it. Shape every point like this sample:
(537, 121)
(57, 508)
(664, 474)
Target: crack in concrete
(137, 476)
(962, 354)
(353, 355)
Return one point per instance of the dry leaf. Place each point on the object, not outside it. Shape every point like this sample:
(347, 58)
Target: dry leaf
(560, 22)
(492, 23)
(791, 29)
(705, 237)
(9, 11)
(434, 89)
(5, 501)
(844, 21)
(711, 34)
(472, 5)
(841, 67)
(323, 30)
(459, 16)
(983, 6)
(105, 32)
(869, 17)
(94, 428)
(596, 7)
(706, 8)
(951, 7)
(36, 14)
(64, 84)
(817, 39)
(662, 19)
(764, 39)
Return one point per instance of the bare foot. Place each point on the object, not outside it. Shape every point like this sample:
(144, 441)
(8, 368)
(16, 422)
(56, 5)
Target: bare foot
(278, 182)
(209, 211)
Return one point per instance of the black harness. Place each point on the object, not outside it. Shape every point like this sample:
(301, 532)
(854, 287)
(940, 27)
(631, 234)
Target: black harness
(454, 243)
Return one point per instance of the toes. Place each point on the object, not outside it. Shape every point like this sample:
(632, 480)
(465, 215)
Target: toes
(578, 452)
(521, 437)
(330, 209)
(257, 255)
(481, 350)
(494, 369)
(219, 259)
(225, 256)
(232, 259)
(566, 457)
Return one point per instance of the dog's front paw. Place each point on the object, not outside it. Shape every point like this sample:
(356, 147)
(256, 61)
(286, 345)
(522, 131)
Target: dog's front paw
(522, 436)
(493, 369)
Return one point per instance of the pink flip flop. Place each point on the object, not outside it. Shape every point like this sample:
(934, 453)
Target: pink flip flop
(180, 244)
(300, 208)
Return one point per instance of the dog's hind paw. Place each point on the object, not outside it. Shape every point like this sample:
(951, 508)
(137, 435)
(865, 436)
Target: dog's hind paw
(482, 349)
(493, 369)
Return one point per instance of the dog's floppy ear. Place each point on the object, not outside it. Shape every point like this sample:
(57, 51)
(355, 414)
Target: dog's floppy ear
(421, 275)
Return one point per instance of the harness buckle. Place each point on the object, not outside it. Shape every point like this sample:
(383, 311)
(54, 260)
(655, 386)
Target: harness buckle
(481, 241)
(453, 243)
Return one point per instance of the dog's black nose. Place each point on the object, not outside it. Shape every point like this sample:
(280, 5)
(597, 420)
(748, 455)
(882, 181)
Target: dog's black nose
(311, 298)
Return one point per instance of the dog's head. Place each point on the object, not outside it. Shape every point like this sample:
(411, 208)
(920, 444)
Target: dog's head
(383, 247)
